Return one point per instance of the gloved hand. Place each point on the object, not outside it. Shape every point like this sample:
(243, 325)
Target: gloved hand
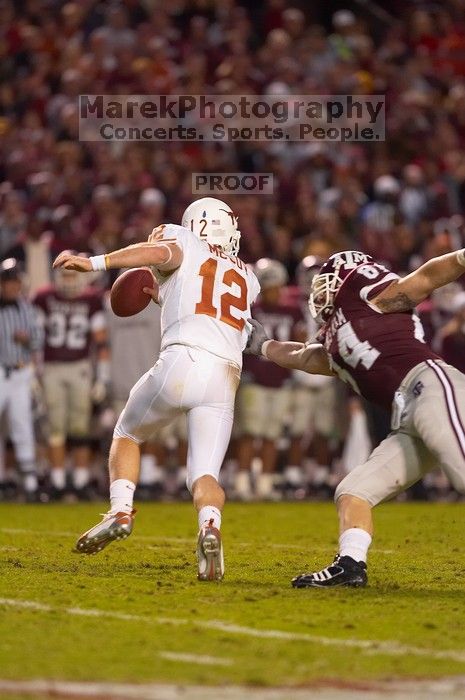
(257, 336)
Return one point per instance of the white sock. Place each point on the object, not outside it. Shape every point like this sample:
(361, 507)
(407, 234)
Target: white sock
(58, 478)
(265, 484)
(320, 475)
(122, 495)
(354, 543)
(210, 513)
(181, 476)
(242, 481)
(293, 474)
(81, 476)
(30, 482)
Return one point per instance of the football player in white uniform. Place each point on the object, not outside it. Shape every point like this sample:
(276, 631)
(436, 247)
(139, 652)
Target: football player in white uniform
(205, 294)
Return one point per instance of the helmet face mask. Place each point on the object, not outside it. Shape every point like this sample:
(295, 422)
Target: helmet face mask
(326, 284)
(213, 221)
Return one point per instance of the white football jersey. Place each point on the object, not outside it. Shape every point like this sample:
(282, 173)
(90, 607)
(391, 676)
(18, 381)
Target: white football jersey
(206, 302)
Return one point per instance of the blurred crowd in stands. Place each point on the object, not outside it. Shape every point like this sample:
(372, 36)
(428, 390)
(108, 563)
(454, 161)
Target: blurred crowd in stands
(400, 200)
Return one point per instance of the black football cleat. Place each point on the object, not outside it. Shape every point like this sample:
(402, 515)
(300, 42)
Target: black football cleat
(344, 571)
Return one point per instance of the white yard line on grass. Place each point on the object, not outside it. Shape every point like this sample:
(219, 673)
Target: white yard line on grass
(196, 659)
(452, 688)
(369, 646)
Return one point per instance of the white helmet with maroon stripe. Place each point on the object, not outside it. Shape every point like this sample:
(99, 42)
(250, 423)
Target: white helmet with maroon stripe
(215, 222)
(327, 282)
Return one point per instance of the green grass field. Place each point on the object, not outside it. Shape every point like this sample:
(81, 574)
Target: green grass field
(136, 613)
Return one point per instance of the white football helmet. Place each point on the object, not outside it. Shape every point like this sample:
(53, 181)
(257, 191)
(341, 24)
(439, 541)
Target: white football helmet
(270, 273)
(215, 222)
(70, 283)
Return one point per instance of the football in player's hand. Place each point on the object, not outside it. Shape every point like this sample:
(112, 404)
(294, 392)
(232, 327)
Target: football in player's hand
(127, 296)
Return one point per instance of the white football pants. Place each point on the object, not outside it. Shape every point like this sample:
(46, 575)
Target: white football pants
(191, 381)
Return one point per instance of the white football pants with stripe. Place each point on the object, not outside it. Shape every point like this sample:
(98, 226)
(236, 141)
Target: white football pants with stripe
(431, 434)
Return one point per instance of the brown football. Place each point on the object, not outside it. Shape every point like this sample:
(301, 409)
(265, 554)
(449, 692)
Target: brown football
(127, 296)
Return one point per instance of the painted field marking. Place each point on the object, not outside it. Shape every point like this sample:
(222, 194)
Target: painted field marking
(406, 690)
(370, 646)
(196, 659)
(449, 688)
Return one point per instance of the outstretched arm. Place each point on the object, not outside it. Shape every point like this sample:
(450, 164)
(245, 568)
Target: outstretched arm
(311, 358)
(406, 293)
(165, 256)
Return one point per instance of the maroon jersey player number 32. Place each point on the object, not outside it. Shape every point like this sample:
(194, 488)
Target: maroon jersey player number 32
(371, 338)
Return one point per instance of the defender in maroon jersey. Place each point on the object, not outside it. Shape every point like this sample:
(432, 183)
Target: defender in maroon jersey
(371, 338)
(75, 333)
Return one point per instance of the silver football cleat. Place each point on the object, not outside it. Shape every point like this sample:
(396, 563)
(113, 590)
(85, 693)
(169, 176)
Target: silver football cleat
(114, 526)
(210, 556)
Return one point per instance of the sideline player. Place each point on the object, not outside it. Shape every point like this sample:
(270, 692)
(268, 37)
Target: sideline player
(263, 401)
(205, 294)
(372, 340)
(73, 319)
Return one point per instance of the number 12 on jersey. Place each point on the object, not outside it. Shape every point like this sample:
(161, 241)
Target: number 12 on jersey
(227, 300)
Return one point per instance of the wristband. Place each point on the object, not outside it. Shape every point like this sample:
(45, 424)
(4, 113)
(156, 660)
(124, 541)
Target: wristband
(461, 257)
(264, 347)
(98, 263)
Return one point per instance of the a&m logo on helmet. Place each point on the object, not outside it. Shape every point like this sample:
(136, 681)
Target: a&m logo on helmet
(328, 281)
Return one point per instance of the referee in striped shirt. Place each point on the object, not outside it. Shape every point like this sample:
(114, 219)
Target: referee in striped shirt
(20, 341)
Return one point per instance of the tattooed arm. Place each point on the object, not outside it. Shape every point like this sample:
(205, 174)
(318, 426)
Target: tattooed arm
(404, 294)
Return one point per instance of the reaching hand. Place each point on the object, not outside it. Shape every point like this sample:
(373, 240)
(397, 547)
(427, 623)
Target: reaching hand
(73, 262)
(257, 336)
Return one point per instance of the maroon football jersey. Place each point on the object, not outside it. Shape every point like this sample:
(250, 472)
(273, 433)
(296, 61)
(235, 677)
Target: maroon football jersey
(69, 322)
(369, 350)
(453, 350)
(279, 321)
